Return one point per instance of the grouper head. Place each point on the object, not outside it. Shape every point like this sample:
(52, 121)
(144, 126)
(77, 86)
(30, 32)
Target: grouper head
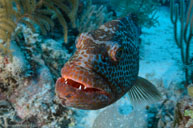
(103, 68)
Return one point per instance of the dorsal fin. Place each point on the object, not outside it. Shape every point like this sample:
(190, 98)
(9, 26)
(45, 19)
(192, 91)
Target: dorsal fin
(143, 92)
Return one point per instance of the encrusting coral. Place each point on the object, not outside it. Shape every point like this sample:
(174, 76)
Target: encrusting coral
(28, 86)
(184, 113)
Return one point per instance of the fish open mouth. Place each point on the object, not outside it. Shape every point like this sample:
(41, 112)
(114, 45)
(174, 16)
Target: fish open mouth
(77, 94)
(80, 86)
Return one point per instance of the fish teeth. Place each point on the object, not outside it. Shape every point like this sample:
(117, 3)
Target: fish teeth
(84, 87)
(65, 80)
(80, 87)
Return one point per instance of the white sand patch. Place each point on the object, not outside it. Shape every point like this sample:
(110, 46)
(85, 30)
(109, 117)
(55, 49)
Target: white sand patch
(161, 57)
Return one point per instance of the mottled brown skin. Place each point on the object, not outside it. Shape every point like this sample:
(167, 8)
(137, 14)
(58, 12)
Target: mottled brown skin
(103, 68)
(98, 93)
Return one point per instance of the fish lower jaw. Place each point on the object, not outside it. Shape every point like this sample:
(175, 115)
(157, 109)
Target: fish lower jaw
(73, 93)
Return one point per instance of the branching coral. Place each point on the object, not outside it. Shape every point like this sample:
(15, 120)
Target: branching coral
(92, 16)
(144, 9)
(31, 13)
(184, 34)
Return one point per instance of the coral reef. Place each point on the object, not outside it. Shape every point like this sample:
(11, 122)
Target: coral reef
(55, 116)
(27, 94)
(12, 73)
(27, 85)
(162, 115)
(175, 110)
(54, 56)
(33, 102)
(184, 113)
(31, 12)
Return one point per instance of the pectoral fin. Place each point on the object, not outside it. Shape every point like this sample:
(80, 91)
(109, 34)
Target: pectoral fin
(143, 92)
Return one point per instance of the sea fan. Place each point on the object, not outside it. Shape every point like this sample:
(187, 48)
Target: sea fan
(69, 7)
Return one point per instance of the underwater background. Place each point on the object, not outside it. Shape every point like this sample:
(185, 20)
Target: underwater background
(38, 37)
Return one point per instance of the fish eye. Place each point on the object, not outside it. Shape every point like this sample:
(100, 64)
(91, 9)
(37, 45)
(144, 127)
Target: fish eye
(116, 52)
(119, 53)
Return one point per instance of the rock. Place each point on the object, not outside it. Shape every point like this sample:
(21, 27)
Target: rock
(184, 113)
(112, 118)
